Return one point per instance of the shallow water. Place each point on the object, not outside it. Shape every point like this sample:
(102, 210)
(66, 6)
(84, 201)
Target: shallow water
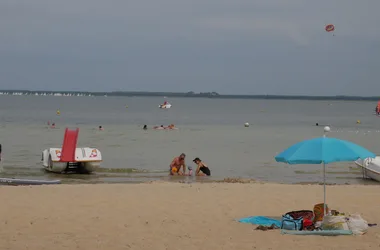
(211, 129)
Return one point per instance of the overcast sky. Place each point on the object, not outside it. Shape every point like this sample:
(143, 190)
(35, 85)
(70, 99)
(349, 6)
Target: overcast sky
(227, 46)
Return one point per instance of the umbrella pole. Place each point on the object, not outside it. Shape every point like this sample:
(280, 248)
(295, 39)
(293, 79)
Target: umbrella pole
(326, 129)
(324, 189)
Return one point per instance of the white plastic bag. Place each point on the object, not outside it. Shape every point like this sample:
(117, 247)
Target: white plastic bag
(357, 225)
(334, 223)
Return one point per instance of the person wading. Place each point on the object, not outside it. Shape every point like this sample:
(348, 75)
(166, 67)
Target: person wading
(177, 163)
(202, 168)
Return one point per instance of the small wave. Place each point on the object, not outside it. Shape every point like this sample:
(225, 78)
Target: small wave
(128, 170)
(119, 170)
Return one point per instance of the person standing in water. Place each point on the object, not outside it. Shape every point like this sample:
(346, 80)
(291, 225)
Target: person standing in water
(202, 168)
(177, 163)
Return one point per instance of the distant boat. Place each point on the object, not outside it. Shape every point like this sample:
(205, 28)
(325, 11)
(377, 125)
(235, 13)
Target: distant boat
(165, 105)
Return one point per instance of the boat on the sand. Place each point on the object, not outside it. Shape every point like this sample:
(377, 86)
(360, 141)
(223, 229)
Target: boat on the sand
(370, 167)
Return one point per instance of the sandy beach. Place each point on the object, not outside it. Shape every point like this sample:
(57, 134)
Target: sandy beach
(173, 216)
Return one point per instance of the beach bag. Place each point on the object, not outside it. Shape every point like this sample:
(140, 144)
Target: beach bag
(334, 223)
(357, 225)
(295, 220)
(289, 223)
(307, 223)
(306, 214)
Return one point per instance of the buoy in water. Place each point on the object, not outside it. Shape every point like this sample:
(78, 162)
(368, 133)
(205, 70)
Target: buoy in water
(246, 124)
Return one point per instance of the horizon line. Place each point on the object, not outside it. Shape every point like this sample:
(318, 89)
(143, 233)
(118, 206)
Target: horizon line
(199, 94)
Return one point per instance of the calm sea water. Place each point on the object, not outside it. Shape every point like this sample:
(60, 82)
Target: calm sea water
(211, 129)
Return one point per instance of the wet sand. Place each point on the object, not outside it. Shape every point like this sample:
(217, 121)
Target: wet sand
(173, 216)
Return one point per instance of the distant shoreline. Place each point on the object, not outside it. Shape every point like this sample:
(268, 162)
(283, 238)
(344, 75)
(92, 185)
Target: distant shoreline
(213, 95)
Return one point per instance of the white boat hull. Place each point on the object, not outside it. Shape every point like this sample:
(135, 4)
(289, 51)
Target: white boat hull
(370, 167)
(87, 160)
(163, 106)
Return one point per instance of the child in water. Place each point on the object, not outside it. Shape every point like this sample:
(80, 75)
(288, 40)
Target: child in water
(202, 168)
(190, 168)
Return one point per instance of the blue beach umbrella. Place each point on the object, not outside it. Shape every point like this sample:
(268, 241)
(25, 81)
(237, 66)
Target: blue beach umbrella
(323, 150)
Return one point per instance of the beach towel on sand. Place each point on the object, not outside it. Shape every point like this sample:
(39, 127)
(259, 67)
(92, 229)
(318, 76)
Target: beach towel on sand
(261, 220)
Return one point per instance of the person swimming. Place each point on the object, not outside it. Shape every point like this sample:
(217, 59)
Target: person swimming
(202, 168)
(52, 125)
(145, 127)
(159, 127)
(101, 128)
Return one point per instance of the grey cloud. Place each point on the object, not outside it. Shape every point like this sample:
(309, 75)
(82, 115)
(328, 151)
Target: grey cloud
(240, 46)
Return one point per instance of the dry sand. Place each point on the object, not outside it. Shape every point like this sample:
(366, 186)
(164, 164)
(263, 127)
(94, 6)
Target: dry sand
(173, 216)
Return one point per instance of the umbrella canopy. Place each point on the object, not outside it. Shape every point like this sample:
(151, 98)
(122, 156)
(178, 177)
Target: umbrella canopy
(323, 150)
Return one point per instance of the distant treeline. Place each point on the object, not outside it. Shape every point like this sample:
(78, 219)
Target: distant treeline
(201, 95)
